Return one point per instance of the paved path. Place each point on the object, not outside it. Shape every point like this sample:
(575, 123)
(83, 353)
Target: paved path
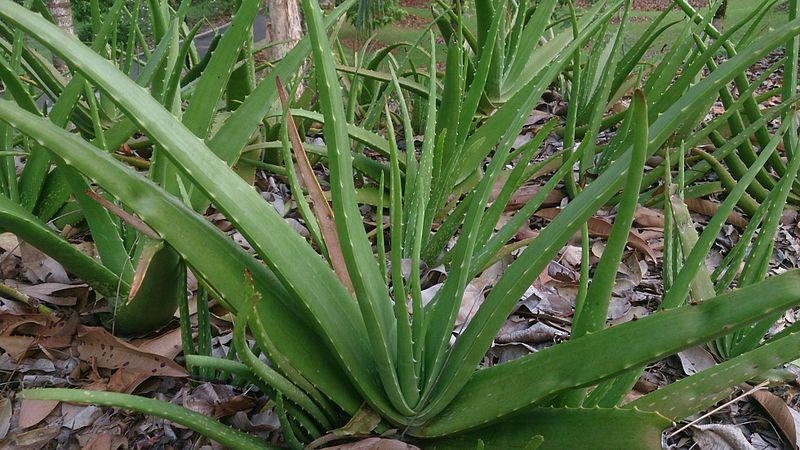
(202, 41)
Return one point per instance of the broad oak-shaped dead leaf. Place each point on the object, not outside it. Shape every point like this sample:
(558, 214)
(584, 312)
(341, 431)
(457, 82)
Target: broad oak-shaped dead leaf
(112, 353)
(40, 267)
(601, 228)
(34, 411)
(709, 208)
(647, 217)
(167, 345)
(16, 346)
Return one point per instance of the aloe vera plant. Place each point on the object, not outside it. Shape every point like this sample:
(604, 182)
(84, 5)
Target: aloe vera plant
(336, 352)
(527, 38)
(137, 272)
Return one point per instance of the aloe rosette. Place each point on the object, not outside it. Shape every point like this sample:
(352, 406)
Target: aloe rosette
(335, 353)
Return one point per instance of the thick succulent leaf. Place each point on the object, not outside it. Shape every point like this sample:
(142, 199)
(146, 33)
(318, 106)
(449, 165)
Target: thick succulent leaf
(357, 133)
(41, 69)
(200, 423)
(562, 428)
(695, 393)
(479, 144)
(440, 322)
(633, 56)
(531, 34)
(265, 372)
(370, 289)
(494, 392)
(593, 315)
(411, 86)
(406, 370)
(758, 260)
(104, 231)
(698, 249)
(34, 174)
(155, 289)
(30, 229)
(740, 80)
(212, 82)
(536, 60)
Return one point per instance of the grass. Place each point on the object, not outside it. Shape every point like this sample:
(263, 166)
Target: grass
(401, 31)
(737, 10)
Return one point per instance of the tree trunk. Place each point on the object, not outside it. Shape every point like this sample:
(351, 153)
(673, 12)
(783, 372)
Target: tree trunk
(284, 25)
(61, 10)
(719, 16)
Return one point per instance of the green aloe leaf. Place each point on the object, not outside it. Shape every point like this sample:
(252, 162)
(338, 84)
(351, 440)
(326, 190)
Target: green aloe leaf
(560, 428)
(30, 229)
(200, 423)
(264, 372)
(232, 136)
(493, 392)
(370, 289)
(689, 395)
(595, 311)
(203, 104)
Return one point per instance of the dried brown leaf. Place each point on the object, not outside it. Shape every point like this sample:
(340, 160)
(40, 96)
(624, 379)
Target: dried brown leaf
(232, 405)
(16, 346)
(126, 217)
(149, 250)
(40, 267)
(168, 345)
(105, 441)
(322, 210)
(709, 208)
(474, 292)
(10, 244)
(110, 352)
(5, 416)
(60, 334)
(31, 322)
(720, 437)
(779, 413)
(525, 193)
(76, 417)
(34, 411)
(363, 422)
(601, 228)
(61, 294)
(537, 333)
(646, 217)
(696, 359)
(30, 439)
